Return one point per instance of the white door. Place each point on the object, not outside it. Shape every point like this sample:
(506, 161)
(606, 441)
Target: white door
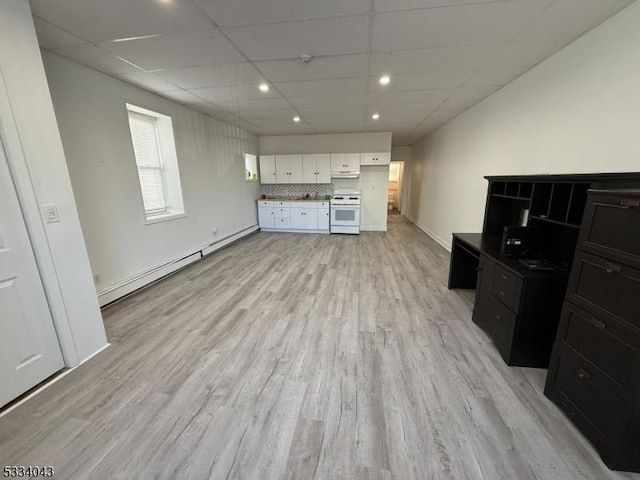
(323, 167)
(267, 169)
(309, 171)
(29, 348)
(297, 218)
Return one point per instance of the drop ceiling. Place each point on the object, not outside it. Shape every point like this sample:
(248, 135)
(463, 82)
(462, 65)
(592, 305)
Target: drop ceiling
(443, 56)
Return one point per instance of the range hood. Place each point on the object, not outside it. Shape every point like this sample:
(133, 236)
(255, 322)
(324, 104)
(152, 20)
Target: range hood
(345, 174)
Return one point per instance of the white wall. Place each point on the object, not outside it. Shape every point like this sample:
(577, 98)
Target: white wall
(373, 180)
(32, 143)
(578, 111)
(91, 112)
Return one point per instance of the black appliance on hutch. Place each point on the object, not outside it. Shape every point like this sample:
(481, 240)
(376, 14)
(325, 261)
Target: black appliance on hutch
(594, 355)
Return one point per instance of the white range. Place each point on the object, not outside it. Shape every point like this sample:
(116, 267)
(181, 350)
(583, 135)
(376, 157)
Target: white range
(345, 211)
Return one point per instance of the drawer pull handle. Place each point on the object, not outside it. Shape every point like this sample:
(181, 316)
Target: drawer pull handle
(630, 202)
(501, 293)
(498, 317)
(504, 277)
(597, 323)
(610, 268)
(583, 375)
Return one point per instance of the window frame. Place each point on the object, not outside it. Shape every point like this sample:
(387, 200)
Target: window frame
(174, 203)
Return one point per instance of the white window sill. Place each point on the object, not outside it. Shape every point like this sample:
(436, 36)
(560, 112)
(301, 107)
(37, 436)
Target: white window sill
(165, 217)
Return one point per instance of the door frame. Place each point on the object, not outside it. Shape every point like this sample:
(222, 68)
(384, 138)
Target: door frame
(11, 142)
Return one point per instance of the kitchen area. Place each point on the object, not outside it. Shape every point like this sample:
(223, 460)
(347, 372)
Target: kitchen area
(324, 183)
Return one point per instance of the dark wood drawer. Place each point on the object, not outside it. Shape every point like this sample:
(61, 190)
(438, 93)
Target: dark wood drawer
(610, 345)
(507, 288)
(500, 322)
(593, 393)
(612, 227)
(613, 288)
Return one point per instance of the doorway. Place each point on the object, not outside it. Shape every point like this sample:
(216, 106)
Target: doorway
(394, 193)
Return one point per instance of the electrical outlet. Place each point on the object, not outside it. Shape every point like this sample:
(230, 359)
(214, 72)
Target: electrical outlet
(214, 230)
(50, 213)
(96, 279)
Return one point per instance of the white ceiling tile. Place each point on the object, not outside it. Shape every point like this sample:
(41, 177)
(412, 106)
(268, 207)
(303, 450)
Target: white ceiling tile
(212, 75)
(255, 105)
(284, 114)
(472, 94)
(393, 5)
(323, 88)
(148, 81)
(337, 101)
(422, 96)
(420, 81)
(234, 12)
(182, 50)
(51, 37)
(329, 36)
(320, 68)
(557, 26)
(332, 110)
(401, 109)
(185, 98)
(488, 76)
(293, 130)
(233, 93)
(433, 60)
(100, 20)
(451, 26)
(97, 58)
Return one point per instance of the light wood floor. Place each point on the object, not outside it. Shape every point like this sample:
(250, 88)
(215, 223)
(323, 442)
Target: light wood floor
(301, 357)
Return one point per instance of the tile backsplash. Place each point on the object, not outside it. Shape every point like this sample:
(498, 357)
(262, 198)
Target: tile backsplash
(296, 189)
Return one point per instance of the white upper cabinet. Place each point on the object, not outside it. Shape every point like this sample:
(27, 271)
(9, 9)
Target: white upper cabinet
(353, 162)
(323, 166)
(316, 168)
(375, 158)
(338, 162)
(289, 169)
(268, 169)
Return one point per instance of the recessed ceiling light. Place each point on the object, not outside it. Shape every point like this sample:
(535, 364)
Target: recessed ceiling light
(264, 87)
(375, 116)
(296, 119)
(385, 79)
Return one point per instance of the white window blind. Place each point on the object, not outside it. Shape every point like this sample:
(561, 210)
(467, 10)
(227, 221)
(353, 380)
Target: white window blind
(144, 133)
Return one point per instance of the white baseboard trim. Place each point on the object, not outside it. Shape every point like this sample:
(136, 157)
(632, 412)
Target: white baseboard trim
(135, 282)
(373, 229)
(289, 230)
(436, 238)
(48, 384)
(223, 242)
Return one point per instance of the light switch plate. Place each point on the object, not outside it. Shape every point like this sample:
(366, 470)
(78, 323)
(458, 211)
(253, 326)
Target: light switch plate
(50, 213)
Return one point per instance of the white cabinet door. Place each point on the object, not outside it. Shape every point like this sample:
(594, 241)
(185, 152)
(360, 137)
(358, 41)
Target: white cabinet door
(310, 218)
(297, 218)
(309, 169)
(282, 223)
(323, 167)
(267, 169)
(265, 218)
(338, 162)
(295, 168)
(375, 158)
(29, 348)
(289, 168)
(323, 219)
(352, 160)
(282, 169)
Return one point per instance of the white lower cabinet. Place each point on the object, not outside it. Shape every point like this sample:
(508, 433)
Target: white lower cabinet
(265, 217)
(294, 216)
(304, 218)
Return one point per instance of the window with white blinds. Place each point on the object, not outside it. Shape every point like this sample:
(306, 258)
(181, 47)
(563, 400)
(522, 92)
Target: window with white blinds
(156, 161)
(146, 147)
